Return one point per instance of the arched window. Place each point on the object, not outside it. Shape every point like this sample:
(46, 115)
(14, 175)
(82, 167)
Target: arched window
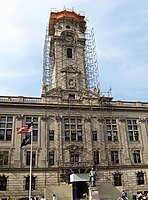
(3, 183)
(68, 27)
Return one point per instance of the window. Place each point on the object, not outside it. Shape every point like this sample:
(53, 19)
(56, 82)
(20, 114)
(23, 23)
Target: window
(6, 123)
(28, 183)
(74, 157)
(4, 158)
(114, 157)
(133, 130)
(51, 158)
(117, 179)
(73, 129)
(94, 135)
(111, 128)
(3, 183)
(69, 52)
(96, 157)
(35, 127)
(71, 97)
(140, 178)
(33, 158)
(51, 135)
(136, 156)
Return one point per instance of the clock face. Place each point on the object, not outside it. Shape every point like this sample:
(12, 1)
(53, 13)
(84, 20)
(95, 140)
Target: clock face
(69, 39)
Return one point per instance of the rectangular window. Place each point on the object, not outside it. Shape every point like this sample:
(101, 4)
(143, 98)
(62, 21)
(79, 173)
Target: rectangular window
(69, 52)
(74, 157)
(4, 158)
(28, 183)
(140, 178)
(117, 179)
(96, 157)
(94, 135)
(33, 158)
(35, 127)
(67, 136)
(51, 135)
(111, 129)
(136, 156)
(6, 124)
(133, 132)
(51, 158)
(114, 157)
(73, 129)
(71, 97)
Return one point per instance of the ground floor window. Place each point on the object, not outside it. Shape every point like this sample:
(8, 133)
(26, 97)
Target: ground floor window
(117, 179)
(3, 183)
(28, 183)
(140, 178)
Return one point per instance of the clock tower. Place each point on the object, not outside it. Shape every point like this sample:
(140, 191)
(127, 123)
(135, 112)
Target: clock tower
(67, 44)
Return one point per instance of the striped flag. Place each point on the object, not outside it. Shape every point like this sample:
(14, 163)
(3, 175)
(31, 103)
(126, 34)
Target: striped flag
(25, 129)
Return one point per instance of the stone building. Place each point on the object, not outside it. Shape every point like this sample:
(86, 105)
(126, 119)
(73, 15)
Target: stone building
(75, 126)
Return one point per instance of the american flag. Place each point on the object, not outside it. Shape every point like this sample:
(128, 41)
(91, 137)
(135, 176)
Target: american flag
(25, 129)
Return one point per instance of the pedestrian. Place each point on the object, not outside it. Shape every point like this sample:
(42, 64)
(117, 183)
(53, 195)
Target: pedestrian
(54, 197)
(43, 198)
(123, 195)
(34, 198)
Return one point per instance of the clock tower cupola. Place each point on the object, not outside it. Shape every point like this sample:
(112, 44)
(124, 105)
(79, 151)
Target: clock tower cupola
(67, 33)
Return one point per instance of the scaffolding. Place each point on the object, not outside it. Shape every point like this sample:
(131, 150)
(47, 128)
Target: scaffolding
(47, 66)
(91, 64)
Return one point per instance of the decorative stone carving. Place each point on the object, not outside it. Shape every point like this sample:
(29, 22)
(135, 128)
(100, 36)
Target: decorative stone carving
(20, 117)
(122, 120)
(58, 118)
(45, 118)
(141, 120)
(74, 147)
(87, 119)
(100, 120)
(45, 89)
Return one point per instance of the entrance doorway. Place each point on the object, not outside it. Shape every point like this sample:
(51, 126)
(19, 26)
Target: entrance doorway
(80, 190)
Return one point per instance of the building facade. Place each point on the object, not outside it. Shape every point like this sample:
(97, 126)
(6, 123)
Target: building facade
(75, 127)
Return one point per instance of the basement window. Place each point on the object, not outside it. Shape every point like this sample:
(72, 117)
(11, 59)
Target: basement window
(69, 52)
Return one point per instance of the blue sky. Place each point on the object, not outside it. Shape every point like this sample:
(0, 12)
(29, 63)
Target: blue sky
(121, 34)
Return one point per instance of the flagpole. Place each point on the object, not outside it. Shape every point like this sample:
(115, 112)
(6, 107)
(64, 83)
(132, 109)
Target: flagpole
(31, 162)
